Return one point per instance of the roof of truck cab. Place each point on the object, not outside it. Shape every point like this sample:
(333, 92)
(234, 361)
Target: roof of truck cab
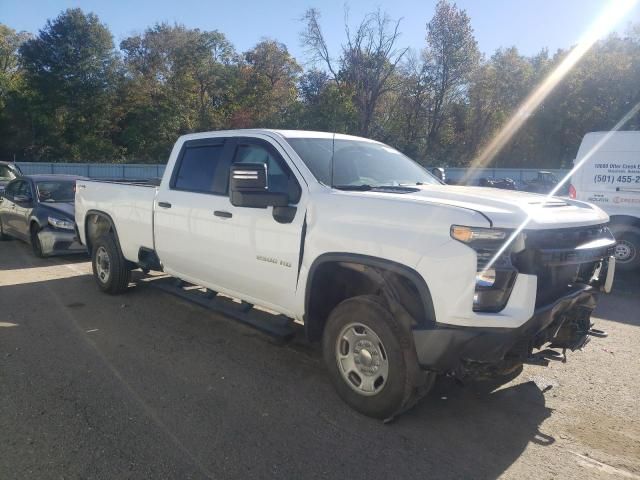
(282, 133)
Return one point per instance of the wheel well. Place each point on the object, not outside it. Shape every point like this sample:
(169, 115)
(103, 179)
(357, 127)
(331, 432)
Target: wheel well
(96, 225)
(626, 220)
(331, 282)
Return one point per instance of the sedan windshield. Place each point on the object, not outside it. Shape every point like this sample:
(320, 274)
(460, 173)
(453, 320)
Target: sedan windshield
(56, 191)
(359, 164)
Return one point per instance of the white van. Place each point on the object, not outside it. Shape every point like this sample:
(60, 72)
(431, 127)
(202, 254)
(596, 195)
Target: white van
(610, 178)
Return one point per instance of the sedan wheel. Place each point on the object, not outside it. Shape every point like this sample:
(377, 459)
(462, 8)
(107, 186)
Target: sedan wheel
(35, 242)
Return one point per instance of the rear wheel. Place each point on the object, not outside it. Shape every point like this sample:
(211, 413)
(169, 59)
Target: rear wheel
(36, 246)
(371, 357)
(111, 270)
(627, 250)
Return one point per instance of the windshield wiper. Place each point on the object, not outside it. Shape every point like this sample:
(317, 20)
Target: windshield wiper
(356, 188)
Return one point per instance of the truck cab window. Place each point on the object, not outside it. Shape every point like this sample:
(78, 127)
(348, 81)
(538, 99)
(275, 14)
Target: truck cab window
(279, 178)
(199, 170)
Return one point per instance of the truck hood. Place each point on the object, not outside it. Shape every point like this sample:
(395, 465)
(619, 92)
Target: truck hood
(510, 209)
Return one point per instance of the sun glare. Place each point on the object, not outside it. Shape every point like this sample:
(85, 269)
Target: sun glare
(612, 14)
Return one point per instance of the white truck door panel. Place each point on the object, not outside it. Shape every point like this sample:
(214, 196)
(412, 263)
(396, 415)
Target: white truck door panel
(184, 224)
(201, 237)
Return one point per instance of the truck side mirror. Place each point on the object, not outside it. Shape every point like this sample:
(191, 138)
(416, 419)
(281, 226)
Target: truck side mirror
(248, 187)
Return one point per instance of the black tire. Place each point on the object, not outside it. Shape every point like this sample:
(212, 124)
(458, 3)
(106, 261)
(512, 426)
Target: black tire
(112, 278)
(36, 246)
(404, 377)
(628, 248)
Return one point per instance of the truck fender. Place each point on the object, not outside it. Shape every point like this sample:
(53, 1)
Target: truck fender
(398, 284)
(108, 225)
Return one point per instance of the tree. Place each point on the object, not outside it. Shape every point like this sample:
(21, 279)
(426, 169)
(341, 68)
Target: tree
(495, 91)
(178, 80)
(450, 58)
(324, 105)
(270, 83)
(72, 69)
(367, 64)
(10, 42)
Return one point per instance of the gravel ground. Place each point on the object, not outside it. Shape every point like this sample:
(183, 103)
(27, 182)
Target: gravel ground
(145, 385)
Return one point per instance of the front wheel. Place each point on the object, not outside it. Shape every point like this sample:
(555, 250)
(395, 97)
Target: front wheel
(36, 246)
(371, 357)
(110, 269)
(627, 250)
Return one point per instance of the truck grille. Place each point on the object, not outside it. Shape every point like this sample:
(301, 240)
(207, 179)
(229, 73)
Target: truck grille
(562, 258)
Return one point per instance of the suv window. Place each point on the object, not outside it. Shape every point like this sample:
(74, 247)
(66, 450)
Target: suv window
(199, 170)
(279, 178)
(11, 189)
(24, 189)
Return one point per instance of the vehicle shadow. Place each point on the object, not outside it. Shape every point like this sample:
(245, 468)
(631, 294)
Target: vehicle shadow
(13, 253)
(621, 305)
(493, 426)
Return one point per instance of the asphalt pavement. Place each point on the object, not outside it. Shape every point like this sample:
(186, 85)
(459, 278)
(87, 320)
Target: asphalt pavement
(146, 385)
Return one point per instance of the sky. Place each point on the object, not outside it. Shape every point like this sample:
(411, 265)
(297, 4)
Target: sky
(530, 25)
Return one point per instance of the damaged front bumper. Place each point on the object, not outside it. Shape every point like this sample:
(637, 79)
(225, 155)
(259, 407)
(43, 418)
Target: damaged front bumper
(59, 242)
(481, 351)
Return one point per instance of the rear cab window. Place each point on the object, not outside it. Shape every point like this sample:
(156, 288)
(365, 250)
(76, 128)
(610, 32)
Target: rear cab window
(202, 167)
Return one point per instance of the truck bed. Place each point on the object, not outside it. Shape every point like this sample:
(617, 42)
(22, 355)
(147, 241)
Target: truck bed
(130, 206)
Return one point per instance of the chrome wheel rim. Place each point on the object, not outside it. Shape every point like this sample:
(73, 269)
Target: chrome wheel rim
(362, 359)
(624, 251)
(103, 265)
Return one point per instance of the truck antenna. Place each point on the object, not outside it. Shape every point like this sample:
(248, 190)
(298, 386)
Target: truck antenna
(333, 151)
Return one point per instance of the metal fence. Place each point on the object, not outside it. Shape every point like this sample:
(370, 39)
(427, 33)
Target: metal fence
(139, 171)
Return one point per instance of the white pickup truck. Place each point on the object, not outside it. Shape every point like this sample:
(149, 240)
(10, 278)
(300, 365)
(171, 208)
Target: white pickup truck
(400, 276)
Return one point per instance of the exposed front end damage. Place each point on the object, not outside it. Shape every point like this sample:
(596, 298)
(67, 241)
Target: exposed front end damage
(58, 242)
(572, 266)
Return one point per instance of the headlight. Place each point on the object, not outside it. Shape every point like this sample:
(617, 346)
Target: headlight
(495, 274)
(62, 224)
(472, 234)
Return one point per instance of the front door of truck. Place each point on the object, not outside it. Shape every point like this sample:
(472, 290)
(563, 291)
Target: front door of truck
(264, 253)
(201, 237)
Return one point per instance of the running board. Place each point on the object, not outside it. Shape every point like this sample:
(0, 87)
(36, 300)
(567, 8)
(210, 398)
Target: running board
(275, 325)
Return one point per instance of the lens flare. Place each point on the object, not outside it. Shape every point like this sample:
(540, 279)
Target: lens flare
(615, 11)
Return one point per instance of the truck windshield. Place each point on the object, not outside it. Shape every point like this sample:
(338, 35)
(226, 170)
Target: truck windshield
(359, 164)
(56, 191)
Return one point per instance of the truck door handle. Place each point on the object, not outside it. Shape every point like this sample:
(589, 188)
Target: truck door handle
(164, 204)
(223, 214)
